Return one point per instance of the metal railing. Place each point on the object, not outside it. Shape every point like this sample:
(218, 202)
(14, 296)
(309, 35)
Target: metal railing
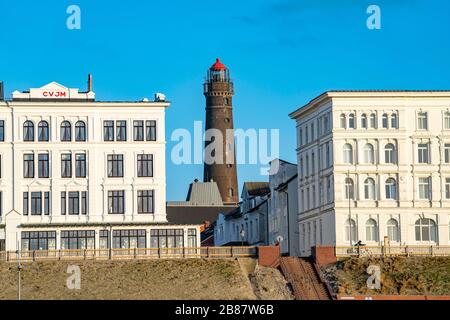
(365, 251)
(130, 254)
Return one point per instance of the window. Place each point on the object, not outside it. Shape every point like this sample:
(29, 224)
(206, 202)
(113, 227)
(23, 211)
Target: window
(364, 121)
(108, 130)
(424, 188)
(349, 189)
(28, 165)
(145, 201)
(371, 230)
(425, 230)
(80, 131)
(84, 202)
(447, 120)
(43, 131)
(43, 165)
(36, 203)
(129, 239)
(307, 165)
(343, 121)
(42, 240)
(393, 230)
(350, 231)
(115, 165)
(373, 121)
(145, 165)
(138, 130)
(389, 153)
(28, 131)
(423, 153)
(47, 203)
(369, 189)
(78, 240)
(104, 239)
(328, 154)
(66, 165)
(80, 165)
(63, 203)
(1, 204)
(348, 153)
(192, 238)
(25, 203)
(394, 122)
(66, 131)
(121, 130)
(2, 130)
(167, 238)
(116, 202)
(384, 121)
(313, 163)
(74, 203)
(351, 121)
(312, 132)
(368, 153)
(391, 189)
(422, 121)
(447, 188)
(447, 153)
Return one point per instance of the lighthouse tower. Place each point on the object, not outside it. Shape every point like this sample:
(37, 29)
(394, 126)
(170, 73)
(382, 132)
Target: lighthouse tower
(218, 91)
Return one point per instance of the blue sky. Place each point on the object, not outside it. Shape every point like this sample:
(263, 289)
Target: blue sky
(282, 53)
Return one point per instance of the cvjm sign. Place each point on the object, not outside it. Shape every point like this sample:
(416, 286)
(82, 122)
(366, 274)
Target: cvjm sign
(54, 94)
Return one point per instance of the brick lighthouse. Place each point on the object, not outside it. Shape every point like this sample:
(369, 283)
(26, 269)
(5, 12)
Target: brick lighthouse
(218, 90)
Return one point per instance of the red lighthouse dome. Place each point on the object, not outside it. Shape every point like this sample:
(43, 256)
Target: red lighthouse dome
(218, 65)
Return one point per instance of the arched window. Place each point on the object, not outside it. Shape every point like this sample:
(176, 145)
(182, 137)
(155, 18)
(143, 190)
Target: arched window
(66, 131)
(425, 230)
(350, 231)
(391, 189)
(351, 121)
(371, 230)
(393, 231)
(368, 153)
(384, 121)
(389, 154)
(43, 131)
(373, 121)
(369, 189)
(80, 131)
(394, 122)
(349, 189)
(343, 121)
(28, 131)
(348, 153)
(364, 121)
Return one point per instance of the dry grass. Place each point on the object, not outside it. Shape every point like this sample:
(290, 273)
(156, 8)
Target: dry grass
(399, 275)
(145, 279)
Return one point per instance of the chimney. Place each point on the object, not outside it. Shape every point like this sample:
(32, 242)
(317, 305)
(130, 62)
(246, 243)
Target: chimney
(89, 84)
(2, 97)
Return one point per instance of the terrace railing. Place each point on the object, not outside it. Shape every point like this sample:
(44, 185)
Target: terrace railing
(129, 254)
(374, 251)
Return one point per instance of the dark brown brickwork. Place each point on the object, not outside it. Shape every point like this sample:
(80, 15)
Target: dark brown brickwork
(269, 256)
(324, 255)
(218, 91)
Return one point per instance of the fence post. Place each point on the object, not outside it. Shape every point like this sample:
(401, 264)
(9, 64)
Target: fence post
(231, 252)
(159, 252)
(383, 253)
(135, 253)
(407, 251)
(431, 250)
(84, 254)
(207, 252)
(110, 253)
(184, 252)
(34, 255)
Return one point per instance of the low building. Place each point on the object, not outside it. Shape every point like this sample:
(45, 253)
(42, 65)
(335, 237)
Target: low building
(283, 207)
(247, 224)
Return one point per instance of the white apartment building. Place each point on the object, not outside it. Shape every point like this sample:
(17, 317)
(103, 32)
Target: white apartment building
(76, 173)
(283, 207)
(374, 166)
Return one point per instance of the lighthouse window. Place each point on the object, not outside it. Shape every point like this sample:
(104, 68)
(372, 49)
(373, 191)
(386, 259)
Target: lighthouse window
(230, 192)
(227, 120)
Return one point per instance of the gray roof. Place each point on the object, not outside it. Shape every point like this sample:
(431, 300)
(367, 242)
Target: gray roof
(204, 193)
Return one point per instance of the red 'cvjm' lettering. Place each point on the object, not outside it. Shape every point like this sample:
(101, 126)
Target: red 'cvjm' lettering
(56, 94)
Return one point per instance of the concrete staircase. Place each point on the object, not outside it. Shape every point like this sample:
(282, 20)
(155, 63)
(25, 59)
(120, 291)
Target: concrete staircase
(305, 279)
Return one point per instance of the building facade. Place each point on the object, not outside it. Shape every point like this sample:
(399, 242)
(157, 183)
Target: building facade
(283, 207)
(374, 166)
(77, 173)
(247, 224)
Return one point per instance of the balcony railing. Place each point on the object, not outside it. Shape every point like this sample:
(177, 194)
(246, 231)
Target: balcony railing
(374, 251)
(129, 254)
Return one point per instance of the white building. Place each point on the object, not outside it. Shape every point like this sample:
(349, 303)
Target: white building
(283, 207)
(75, 170)
(374, 164)
(247, 224)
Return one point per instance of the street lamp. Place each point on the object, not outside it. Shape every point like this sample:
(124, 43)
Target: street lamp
(242, 234)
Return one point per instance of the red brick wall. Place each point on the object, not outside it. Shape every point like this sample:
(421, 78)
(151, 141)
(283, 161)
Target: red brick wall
(269, 256)
(324, 255)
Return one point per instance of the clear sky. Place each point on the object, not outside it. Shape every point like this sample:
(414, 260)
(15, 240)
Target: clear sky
(281, 53)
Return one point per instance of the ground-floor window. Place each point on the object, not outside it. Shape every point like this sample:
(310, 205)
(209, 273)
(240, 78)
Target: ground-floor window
(192, 238)
(38, 240)
(426, 230)
(126, 239)
(104, 239)
(77, 240)
(167, 238)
